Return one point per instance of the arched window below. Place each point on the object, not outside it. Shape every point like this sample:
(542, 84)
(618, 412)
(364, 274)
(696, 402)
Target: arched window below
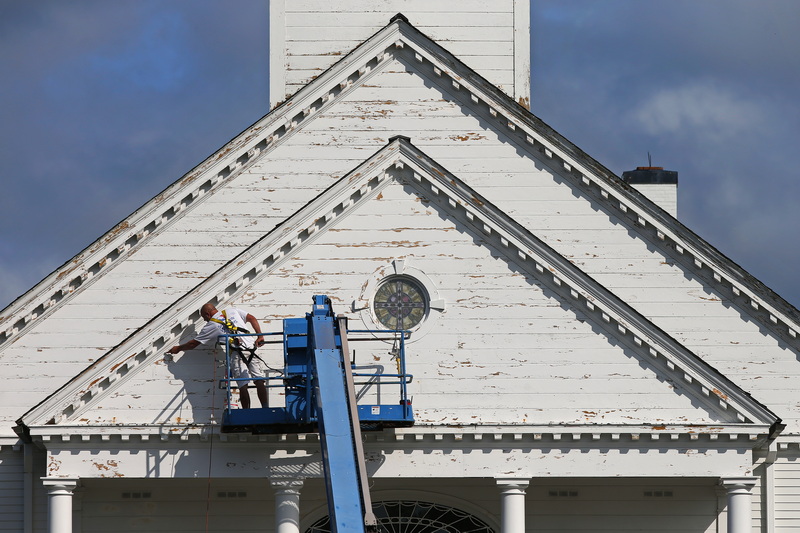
(416, 517)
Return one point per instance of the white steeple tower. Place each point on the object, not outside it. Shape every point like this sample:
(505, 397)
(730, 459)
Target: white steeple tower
(308, 36)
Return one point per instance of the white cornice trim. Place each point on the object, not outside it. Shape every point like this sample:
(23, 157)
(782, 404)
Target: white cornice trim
(10, 444)
(742, 435)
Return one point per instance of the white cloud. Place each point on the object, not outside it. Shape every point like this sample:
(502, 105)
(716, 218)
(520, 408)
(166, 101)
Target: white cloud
(700, 108)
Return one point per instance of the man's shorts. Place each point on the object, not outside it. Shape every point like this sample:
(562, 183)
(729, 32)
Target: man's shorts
(243, 374)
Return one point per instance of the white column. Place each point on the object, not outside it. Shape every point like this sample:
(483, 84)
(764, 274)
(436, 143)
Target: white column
(740, 503)
(768, 488)
(59, 503)
(287, 506)
(512, 504)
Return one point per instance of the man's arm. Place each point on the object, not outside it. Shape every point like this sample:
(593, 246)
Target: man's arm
(191, 345)
(256, 328)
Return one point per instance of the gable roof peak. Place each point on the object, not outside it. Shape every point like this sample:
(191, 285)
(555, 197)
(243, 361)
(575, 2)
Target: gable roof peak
(400, 160)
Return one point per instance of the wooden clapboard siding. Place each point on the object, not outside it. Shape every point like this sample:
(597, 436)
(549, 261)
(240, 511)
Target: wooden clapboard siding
(787, 491)
(313, 37)
(11, 493)
(460, 353)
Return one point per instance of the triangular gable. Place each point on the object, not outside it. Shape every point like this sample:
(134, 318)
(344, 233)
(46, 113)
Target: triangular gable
(400, 38)
(497, 347)
(400, 160)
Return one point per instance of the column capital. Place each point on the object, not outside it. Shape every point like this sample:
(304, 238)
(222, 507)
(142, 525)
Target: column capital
(60, 493)
(738, 483)
(60, 483)
(290, 486)
(512, 483)
(287, 504)
(740, 502)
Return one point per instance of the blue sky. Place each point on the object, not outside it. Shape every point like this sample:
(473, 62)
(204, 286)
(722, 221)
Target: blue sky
(104, 103)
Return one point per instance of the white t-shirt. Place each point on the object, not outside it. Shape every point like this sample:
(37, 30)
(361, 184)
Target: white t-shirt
(212, 329)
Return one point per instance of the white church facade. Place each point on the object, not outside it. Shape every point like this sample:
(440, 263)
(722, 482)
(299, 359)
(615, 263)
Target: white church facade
(581, 360)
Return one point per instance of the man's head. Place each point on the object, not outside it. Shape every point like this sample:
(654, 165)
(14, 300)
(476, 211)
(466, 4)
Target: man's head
(207, 311)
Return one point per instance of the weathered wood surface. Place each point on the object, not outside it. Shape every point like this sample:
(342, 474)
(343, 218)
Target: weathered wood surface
(521, 367)
(12, 470)
(420, 460)
(314, 37)
(787, 489)
(400, 101)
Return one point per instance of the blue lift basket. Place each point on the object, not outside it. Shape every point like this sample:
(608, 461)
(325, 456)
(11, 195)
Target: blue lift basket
(319, 378)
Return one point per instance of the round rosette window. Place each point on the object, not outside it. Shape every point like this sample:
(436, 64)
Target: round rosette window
(400, 303)
(398, 296)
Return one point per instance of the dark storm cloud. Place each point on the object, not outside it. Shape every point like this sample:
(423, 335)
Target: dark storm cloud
(104, 103)
(709, 88)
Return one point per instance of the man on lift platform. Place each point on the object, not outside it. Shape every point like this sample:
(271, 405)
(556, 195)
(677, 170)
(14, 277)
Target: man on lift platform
(245, 364)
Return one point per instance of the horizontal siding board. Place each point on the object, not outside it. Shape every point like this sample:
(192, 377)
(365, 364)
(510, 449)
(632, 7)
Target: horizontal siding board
(521, 382)
(391, 6)
(787, 492)
(112, 309)
(737, 343)
(338, 48)
(550, 415)
(499, 59)
(441, 265)
(366, 19)
(479, 400)
(446, 126)
(555, 362)
(129, 302)
(24, 369)
(297, 79)
(77, 358)
(441, 34)
(405, 98)
(220, 254)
